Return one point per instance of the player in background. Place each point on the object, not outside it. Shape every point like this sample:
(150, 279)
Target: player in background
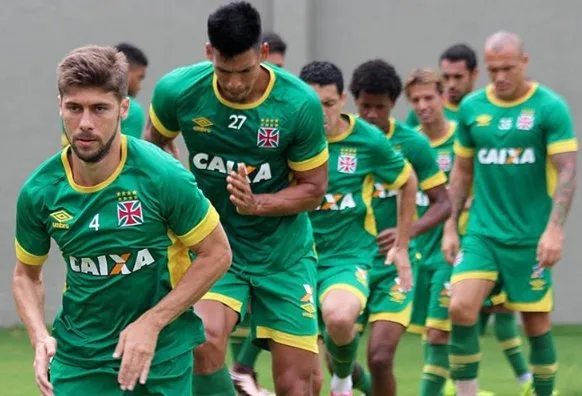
(376, 87)
(248, 127)
(344, 225)
(133, 124)
(244, 351)
(459, 70)
(277, 48)
(517, 146)
(124, 216)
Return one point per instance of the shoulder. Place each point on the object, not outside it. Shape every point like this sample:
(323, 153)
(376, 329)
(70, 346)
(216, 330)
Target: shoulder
(292, 89)
(473, 98)
(549, 97)
(367, 130)
(152, 161)
(183, 78)
(45, 177)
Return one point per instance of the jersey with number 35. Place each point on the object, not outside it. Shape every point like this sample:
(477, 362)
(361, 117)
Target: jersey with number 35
(279, 133)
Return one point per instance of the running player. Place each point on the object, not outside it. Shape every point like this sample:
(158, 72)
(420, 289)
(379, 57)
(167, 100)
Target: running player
(516, 145)
(256, 140)
(344, 226)
(376, 87)
(124, 216)
(458, 67)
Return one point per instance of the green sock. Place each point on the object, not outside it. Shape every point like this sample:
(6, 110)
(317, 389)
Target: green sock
(510, 342)
(483, 322)
(543, 362)
(342, 357)
(249, 353)
(465, 353)
(361, 379)
(436, 370)
(215, 384)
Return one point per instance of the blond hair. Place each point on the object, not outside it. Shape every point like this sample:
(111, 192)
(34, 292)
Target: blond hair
(424, 76)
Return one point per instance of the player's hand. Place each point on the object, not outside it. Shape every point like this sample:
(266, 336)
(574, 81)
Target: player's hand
(399, 257)
(386, 240)
(450, 245)
(136, 346)
(550, 246)
(240, 191)
(44, 350)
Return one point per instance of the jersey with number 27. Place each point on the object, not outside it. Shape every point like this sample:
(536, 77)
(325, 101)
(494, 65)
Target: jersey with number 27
(124, 244)
(279, 133)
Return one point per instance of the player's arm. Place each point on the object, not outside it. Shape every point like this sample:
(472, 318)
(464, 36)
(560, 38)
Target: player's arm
(565, 164)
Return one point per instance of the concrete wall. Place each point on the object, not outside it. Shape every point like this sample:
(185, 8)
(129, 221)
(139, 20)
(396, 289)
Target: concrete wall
(36, 34)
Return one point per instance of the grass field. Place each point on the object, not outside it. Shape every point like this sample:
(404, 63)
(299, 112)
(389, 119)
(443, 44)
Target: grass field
(16, 378)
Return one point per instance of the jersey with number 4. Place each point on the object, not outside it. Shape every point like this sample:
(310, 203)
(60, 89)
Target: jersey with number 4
(279, 133)
(510, 143)
(344, 226)
(124, 243)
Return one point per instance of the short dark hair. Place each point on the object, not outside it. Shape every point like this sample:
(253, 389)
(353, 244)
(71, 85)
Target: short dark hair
(323, 73)
(460, 52)
(376, 77)
(234, 28)
(134, 55)
(276, 43)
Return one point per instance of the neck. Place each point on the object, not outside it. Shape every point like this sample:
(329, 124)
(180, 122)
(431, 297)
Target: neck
(436, 130)
(88, 174)
(260, 86)
(340, 127)
(519, 92)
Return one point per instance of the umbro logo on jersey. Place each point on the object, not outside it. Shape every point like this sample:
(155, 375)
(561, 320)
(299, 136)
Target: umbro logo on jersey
(483, 120)
(307, 302)
(61, 218)
(202, 124)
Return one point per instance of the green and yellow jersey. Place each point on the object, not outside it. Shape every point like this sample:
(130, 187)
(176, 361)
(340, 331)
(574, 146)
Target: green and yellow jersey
(124, 244)
(280, 133)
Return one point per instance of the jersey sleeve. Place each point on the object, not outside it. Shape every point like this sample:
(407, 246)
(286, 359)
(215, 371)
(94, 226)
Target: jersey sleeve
(464, 146)
(308, 150)
(412, 119)
(559, 129)
(189, 214)
(391, 169)
(424, 163)
(163, 110)
(32, 242)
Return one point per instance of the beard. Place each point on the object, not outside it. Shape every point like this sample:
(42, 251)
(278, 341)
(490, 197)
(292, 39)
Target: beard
(101, 152)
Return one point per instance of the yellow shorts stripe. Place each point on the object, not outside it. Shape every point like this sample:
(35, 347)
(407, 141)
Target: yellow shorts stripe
(416, 329)
(308, 343)
(439, 324)
(230, 302)
(402, 317)
(345, 287)
(482, 275)
(546, 304)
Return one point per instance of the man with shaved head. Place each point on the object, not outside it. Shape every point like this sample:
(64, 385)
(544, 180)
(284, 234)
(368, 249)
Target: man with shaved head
(516, 146)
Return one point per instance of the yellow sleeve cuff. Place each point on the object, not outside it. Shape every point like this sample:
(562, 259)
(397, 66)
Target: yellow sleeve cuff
(435, 180)
(311, 163)
(462, 151)
(159, 126)
(402, 177)
(26, 257)
(563, 146)
(202, 229)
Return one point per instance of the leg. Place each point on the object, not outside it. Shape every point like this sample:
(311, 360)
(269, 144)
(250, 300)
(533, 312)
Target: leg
(284, 314)
(219, 310)
(173, 377)
(71, 380)
(529, 290)
(510, 342)
(239, 336)
(384, 338)
(474, 276)
(317, 373)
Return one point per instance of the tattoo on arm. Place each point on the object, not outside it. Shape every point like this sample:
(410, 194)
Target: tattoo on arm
(565, 164)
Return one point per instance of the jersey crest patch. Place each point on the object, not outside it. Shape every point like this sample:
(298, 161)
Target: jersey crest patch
(268, 134)
(444, 161)
(525, 121)
(129, 213)
(347, 162)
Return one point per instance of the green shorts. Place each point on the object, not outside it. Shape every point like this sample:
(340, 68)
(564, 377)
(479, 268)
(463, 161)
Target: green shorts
(282, 303)
(342, 276)
(432, 294)
(169, 378)
(527, 285)
(386, 302)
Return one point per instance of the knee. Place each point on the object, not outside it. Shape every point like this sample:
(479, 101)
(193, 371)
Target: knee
(293, 383)
(381, 359)
(536, 323)
(210, 355)
(317, 379)
(340, 325)
(462, 311)
(437, 337)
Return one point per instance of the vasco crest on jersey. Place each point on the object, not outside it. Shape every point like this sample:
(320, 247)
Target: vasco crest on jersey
(268, 134)
(129, 210)
(347, 162)
(525, 121)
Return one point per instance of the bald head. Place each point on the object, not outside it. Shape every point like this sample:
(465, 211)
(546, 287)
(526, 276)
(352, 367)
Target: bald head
(503, 41)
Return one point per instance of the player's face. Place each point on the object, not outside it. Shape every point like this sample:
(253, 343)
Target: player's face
(428, 103)
(375, 109)
(459, 80)
(276, 58)
(506, 70)
(236, 76)
(135, 77)
(91, 118)
(333, 104)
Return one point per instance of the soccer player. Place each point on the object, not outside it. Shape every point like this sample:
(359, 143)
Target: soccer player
(133, 124)
(458, 67)
(344, 226)
(516, 145)
(277, 48)
(256, 141)
(125, 216)
(376, 87)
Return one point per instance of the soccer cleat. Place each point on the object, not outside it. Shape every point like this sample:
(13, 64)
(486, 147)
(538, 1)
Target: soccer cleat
(449, 390)
(527, 389)
(246, 384)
